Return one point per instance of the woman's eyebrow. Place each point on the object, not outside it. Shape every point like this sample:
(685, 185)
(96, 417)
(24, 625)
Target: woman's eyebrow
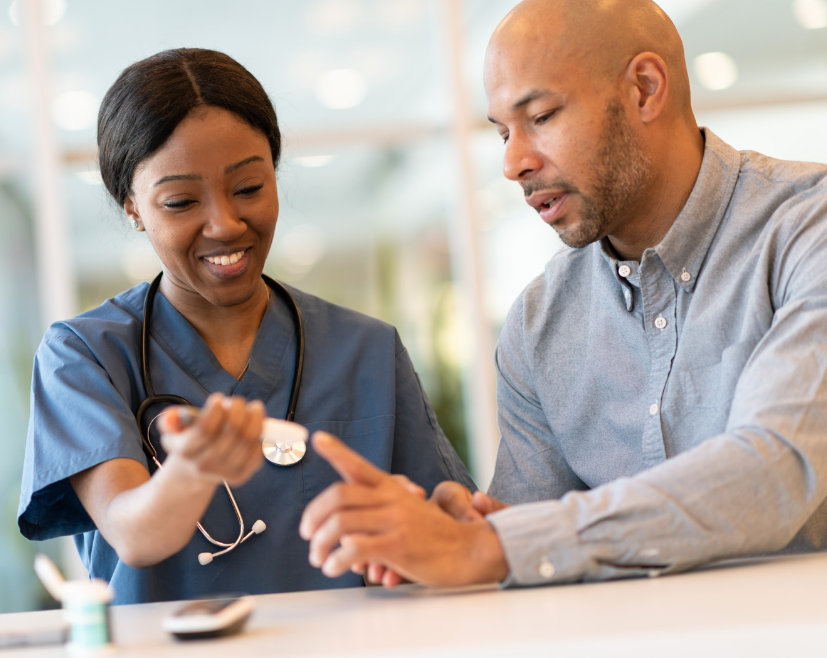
(167, 179)
(253, 158)
(227, 170)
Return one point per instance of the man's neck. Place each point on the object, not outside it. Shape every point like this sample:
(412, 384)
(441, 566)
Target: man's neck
(673, 180)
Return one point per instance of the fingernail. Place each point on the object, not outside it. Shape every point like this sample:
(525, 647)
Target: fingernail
(320, 439)
(314, 561)
(227, 403)
(328, 569)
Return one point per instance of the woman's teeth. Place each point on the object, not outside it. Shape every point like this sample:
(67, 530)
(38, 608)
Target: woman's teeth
(232, 259)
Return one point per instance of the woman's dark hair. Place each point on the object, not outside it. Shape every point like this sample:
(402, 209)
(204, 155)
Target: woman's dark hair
(151, 97)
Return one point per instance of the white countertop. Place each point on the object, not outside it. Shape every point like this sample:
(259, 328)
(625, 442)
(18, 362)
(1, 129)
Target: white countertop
(775, 607)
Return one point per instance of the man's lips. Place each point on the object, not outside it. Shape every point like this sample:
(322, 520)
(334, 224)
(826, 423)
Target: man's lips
(547, 204)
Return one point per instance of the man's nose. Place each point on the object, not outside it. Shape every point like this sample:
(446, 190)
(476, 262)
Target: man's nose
(223, 223)
(521, 158)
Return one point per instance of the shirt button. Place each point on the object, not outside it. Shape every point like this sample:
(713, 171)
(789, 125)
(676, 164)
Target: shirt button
(624, 271)
(546, 570)
(686, 276)
(660, 323)
(653, 410)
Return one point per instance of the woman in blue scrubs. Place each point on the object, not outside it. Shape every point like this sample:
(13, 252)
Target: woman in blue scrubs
(188, 144)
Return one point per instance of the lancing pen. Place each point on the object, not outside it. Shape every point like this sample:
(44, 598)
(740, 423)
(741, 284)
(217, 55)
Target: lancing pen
(283, 442)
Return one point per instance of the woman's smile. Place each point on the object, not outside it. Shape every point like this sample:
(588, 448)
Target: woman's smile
(208, 202)
(227, 266)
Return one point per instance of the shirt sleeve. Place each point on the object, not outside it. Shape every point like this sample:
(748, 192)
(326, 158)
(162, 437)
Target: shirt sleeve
(421, 449)
(78, 419)
(530, 465)
(746, 491)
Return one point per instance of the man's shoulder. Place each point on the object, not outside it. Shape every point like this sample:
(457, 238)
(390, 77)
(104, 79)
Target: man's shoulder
(565, 274)
(783, 182)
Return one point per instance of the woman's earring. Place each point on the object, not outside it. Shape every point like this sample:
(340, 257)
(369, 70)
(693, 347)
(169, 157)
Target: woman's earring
(135, 223)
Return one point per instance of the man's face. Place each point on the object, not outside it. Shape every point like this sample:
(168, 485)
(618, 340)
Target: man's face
(568, 141)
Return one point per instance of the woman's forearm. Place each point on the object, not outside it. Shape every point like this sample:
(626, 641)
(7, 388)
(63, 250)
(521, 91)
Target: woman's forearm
(145, 519)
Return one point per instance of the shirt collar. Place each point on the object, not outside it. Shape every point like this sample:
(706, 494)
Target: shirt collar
(684, 248)
(686, 244)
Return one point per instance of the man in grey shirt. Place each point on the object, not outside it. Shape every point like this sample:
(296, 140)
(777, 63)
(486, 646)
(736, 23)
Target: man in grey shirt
(663, 385)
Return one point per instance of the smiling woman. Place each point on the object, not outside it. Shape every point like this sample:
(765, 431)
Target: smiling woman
(188, 144)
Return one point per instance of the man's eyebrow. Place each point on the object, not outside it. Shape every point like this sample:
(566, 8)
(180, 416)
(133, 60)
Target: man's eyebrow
(238, 165)
(532, 95)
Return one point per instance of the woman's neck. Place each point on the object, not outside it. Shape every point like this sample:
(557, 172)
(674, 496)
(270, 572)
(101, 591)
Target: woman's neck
(229, 331)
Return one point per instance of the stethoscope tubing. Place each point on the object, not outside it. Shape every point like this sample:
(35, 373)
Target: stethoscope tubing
(168, 398)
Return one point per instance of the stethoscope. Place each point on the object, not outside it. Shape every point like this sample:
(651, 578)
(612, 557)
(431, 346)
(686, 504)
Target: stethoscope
(279, 453)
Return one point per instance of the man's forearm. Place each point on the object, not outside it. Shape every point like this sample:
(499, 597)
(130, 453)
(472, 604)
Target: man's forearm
(732, 495)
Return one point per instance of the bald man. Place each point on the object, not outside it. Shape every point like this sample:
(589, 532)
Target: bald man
(662, 386)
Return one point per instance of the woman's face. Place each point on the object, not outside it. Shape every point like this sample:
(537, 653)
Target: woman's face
(208, 202)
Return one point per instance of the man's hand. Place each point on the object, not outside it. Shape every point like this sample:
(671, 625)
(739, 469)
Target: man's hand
(457, 501)
(373, 518)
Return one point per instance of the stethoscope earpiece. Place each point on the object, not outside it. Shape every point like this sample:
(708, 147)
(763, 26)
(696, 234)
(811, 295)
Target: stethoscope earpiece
(258, 527)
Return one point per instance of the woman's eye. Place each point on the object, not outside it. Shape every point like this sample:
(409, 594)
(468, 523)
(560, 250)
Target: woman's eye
(178, 204)
(250, 189)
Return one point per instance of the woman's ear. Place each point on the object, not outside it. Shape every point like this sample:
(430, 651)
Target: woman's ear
(132, 214)
(648, 78)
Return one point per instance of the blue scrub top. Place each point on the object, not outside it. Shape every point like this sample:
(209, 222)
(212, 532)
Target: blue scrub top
(358, 384)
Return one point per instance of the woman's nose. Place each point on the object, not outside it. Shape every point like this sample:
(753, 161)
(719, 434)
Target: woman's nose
(223, 223)
(521, 159)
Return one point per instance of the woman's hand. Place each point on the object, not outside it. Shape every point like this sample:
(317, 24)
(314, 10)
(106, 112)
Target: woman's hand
(224, 442)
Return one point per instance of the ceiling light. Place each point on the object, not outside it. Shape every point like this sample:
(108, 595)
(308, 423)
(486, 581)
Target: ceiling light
(314, 160)
(716, 70)
(811, 14)
(50, 10)
(341, 88)
(335, 15)
(75, 110)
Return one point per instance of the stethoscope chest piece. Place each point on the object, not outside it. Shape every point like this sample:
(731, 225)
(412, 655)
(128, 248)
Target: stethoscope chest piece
(283, 442)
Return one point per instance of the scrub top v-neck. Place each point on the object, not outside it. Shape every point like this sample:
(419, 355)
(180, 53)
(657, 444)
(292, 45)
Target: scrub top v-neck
(358, 384)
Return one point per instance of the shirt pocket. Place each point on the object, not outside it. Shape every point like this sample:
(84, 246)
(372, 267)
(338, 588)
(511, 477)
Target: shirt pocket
(370, 437)
(712, 387)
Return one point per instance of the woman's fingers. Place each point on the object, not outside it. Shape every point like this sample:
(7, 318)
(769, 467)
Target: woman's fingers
(225, 440)
(486, 504)
(456, 500)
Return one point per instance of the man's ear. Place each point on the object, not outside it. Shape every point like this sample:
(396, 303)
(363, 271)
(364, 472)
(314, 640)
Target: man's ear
(647, 79)
(132, 214)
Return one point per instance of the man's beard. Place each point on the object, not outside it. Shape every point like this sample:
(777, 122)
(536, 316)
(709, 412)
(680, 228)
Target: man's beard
(621, 168)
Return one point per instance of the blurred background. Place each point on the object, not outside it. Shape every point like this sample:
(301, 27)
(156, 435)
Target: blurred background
(392, 198)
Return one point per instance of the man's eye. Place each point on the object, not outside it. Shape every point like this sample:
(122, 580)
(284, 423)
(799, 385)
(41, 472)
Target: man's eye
(545, 117)
(252, 189)
(504, 137)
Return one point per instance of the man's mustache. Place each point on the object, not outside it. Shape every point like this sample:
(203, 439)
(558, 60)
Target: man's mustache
(530, 187)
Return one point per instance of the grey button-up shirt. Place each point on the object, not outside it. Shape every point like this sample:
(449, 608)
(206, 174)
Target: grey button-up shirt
(673, 412)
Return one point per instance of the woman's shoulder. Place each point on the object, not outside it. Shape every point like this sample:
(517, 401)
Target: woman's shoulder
(118, 317)
(335, 317)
